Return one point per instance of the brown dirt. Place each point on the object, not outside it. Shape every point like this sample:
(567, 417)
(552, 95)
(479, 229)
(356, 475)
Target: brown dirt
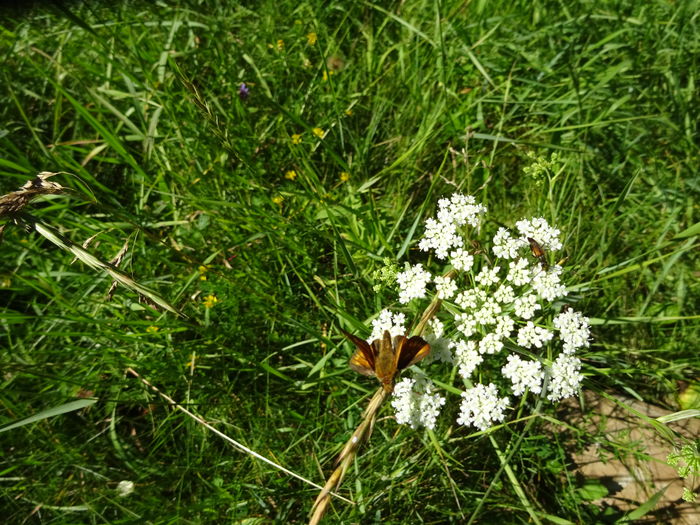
(633, 479)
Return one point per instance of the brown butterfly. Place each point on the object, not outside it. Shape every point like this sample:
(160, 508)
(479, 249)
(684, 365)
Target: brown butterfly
(384, 358)
(538, 252)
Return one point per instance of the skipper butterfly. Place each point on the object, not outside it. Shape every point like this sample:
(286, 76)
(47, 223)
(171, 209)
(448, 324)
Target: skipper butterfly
(384, 358)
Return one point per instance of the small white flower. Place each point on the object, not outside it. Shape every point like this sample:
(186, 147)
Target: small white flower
(124, 488)
(415, 404)
(519, 272)
(504, 294)
(490, 344)
(412, 283)
(565, 377)
(466, 324)
(505, 245)
(467, 357)
(523, 374)
(445, 287)
(574, 330)
(387, 320)
(547, 284)
(481, 406)
(504, 326)
(531, 335)
(537, 228)
(469, 299)
(487, 277)
(488, 312)
(441, 237)
(526, 305)
(461, 259)
(460, 210)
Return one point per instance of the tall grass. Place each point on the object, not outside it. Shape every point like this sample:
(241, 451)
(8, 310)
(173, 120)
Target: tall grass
(140, 102)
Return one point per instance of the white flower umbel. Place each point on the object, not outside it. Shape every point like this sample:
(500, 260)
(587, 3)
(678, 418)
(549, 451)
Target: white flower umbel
(412, 283)
(547, 284)
(470, 299)
(460, 210)
(440, 237)
(490, 344)
(415, 403)
(574, 330)
(461, 260)
(466, 357)
(519, 272)
(504, 294)
(505, 245)
(538, 229)
(466, 324)
(488, 276)
(523, 374)
(504, 326)
(481, 406)
(388, 320)
(564, 378)
(531, 335)
(488, 312)
(445, 287)
(526, 305)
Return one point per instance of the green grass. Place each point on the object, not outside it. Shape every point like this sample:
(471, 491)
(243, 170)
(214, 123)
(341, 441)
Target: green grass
(139, 103)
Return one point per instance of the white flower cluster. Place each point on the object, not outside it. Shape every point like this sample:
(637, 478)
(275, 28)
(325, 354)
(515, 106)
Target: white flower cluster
(574, 330)
(565, 377)
(387, 320)
(441, 234)
(412, 283)
(523, 374)
(501, 303)
(415, 403)
(481, 406)
(541, 231)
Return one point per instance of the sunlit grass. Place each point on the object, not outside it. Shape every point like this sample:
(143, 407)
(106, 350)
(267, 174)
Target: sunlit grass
(389, 108)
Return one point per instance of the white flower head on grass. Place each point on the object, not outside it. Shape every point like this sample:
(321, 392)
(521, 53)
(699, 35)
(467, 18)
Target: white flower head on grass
(466, 357)
(523, 374)
(445, 287)
(531, 335)
(461, 259)
(564, 378)
(540, 230)
(574, 330)
(415, 403)
(481, 407)
(395, 323)
(412, 283)
(505, 246)
(497, 297)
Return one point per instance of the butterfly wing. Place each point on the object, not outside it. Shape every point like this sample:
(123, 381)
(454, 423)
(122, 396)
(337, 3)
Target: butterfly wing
(410, 351)
(362, 361)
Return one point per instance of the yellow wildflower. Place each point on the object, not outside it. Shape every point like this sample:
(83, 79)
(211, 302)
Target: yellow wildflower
(152, 329)
(277, 199)
(296, 138)
(291, 175)
(280, 45)
(344, 176)
(318, 132)
(311, 38)
(210, 301)
(326, 74)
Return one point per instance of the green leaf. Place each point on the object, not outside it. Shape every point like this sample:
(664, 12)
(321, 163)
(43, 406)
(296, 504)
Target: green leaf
(51, 412)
